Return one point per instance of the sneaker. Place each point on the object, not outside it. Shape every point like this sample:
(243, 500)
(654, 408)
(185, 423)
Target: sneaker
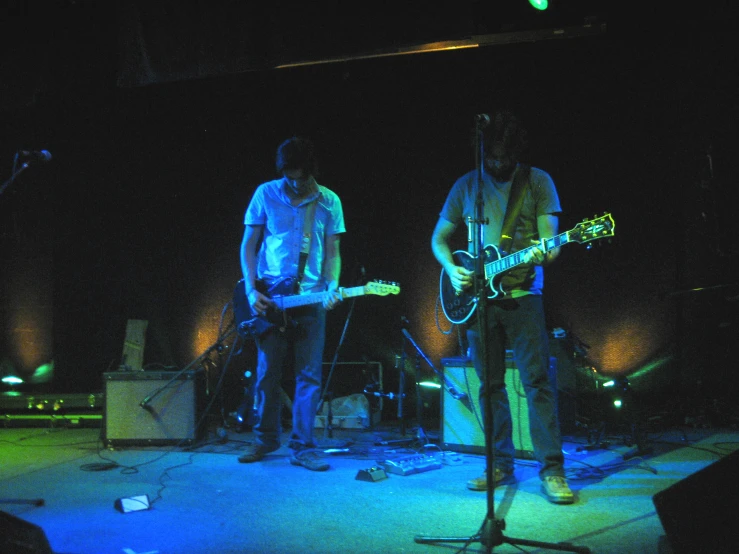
(481, 483)
(309, 460)
(255, 452)
(557, 490)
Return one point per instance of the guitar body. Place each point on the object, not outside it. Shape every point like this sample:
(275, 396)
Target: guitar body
(255, 326)
(458, 306)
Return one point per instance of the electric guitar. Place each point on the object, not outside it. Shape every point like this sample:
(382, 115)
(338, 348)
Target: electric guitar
(282, 292)
(458, 306)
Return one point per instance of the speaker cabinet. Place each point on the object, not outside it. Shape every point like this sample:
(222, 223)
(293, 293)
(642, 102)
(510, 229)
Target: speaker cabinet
(698, 513)
(462, 426)
(18, 536)
(172, 411)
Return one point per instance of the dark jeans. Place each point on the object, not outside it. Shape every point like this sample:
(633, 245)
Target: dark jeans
(299, 349)
(520, 323)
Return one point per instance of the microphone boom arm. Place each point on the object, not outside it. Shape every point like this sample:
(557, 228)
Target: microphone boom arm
(447, 385)
(15, 174)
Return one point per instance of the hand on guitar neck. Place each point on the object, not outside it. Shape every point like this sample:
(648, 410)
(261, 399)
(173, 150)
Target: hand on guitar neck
(537, 253)
(333, 296)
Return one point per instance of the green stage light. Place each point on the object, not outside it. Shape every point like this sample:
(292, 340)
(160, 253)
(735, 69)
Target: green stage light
(43, 374)
(12, 380)
(540, 5)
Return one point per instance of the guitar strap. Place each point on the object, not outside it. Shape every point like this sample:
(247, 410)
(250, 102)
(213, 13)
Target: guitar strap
(513, 209)
(310, 213)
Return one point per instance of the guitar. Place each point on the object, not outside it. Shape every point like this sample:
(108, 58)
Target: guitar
(458, 306)
(282, 292)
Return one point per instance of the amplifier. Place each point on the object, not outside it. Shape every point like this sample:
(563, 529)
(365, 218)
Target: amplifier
(462, 426)
(173, 413)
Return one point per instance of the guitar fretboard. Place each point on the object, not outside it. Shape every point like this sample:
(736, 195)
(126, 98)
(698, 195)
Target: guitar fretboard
(517, 258)
(294, 301)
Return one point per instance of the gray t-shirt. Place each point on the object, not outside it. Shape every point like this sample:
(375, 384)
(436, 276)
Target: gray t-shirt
(540, 198)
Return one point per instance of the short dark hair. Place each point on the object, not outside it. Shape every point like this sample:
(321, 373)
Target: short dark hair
(297, 153)
(506, 129)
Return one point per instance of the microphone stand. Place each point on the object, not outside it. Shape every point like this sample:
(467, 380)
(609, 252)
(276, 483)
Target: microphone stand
(400, 364)
(400, 360)
(328, 427)
(491, 532)
(12, 177)
(448, 384)
(420, 434)
(145, 403)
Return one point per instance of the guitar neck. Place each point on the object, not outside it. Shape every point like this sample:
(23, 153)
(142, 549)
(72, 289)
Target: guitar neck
(297, 300)
(517, 258)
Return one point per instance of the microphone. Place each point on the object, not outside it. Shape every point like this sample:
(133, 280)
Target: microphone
(36, 155)
(482, 119)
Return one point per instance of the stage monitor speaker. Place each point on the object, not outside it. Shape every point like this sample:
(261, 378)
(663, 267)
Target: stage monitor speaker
(698, 513)
(462, 427)
(172, 414)
(18, 536)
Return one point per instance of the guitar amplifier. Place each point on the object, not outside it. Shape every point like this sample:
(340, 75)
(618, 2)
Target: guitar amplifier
(462, 424)
(172, 416)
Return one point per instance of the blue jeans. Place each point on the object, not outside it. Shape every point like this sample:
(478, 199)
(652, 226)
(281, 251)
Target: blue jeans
(299, 349)
(519, 322)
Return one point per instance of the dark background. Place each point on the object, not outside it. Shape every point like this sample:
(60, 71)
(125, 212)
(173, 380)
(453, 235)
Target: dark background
(162, 118)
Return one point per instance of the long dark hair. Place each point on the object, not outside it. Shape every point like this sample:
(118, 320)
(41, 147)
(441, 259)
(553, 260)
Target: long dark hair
(506, 129)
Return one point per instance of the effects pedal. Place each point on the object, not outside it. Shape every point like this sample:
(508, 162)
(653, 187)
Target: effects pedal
(410, 465)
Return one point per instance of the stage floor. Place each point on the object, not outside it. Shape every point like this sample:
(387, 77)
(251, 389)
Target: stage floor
(65, 483)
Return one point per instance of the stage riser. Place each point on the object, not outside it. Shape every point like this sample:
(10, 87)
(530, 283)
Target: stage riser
(47, 403)
(71, 420)
(51, 410)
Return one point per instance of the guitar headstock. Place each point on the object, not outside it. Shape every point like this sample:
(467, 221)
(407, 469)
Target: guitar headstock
(598, 228)
(382, 288)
